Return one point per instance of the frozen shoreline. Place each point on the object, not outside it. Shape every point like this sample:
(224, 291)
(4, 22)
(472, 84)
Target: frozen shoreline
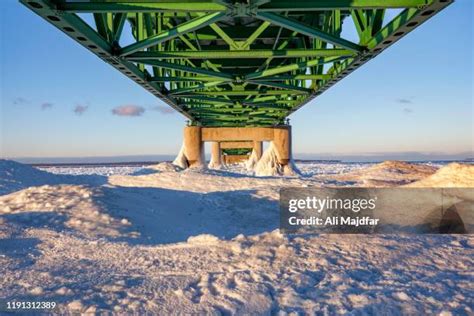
(161, 241)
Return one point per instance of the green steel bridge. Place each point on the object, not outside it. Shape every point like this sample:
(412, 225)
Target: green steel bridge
(236, 62)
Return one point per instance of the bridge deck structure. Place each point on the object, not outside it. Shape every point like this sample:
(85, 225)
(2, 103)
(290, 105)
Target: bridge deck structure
(236, 63)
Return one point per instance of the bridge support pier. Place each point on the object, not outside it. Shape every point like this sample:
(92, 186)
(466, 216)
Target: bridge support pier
(282, 142)
(258, 149)
(193, 146)
(231, 159)
(216, 156)
(235, 137)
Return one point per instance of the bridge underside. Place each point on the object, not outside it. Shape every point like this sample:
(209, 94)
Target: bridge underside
(236, 62)
(228, 64)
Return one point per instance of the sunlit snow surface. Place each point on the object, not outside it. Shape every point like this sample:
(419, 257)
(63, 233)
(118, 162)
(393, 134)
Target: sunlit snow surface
(307, 168)
(154, 240)
(99, 170)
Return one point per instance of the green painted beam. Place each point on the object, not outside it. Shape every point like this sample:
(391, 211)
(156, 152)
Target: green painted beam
(207, 78)
(283, 69)
(183, 28)
(294, 77)
(323, 5)
(98, 6)
(233, 54)
(301, 28)
(391, 28)
(100, 20)
(207, 99)
(119, 23)
(283, 86)
(193, 70)
(224, 36)
(245, 93)
(181, 79)
(197, 87)
(287, 103)
(249, 41)
(237, 151)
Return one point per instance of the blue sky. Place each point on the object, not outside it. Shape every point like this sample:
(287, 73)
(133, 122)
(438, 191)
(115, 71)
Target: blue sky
(415, 97)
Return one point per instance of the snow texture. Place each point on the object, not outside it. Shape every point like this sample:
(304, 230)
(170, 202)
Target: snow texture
(167, 241)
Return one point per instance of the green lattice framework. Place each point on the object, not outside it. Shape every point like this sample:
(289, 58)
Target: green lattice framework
(237, 151)
(235, 62)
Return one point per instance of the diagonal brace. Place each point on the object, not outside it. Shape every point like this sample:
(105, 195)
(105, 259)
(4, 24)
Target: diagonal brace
(304, 29)
(183, 28)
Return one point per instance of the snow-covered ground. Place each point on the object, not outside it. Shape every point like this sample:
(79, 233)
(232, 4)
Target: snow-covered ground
(96, 170)
(164, 241)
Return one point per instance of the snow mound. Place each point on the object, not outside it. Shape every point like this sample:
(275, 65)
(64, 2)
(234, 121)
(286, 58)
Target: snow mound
(166, 167)
(451, 176)
(62, 208)
(15, 176)
(203, 239)
(268, 165)
(403, 167)
(389, 173)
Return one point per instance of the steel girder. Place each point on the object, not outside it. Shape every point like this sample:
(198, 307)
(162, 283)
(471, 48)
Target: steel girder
(235, 62)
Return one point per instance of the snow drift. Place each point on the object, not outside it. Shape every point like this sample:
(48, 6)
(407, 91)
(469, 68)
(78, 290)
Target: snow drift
(388, 173)
(62, 208)
(15, 176)
(450, 176)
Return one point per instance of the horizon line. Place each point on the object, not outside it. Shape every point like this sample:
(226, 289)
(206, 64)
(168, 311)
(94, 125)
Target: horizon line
(347, 157)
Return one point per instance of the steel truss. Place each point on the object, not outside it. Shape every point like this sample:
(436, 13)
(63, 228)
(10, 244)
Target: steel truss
(235, 62)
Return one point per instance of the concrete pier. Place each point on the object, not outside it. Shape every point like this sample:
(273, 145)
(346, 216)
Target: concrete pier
(236, 145)
(282, 142)
(235, 138)
(258, 148)
(193, 146)
(230, 159)
(216, 155)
